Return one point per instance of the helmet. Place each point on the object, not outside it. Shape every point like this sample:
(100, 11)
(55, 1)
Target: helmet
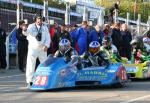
(146, 40)
(94, 47)
(107, 41)
(64, 45)
(137, 42)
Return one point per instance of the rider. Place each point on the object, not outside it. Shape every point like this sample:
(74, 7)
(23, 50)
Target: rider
(65, 50)
(110, 49)
(139, 52)
(95, 57)
(146, 42)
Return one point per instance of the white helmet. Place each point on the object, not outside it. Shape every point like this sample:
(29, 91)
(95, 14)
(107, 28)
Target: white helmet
(64, 45)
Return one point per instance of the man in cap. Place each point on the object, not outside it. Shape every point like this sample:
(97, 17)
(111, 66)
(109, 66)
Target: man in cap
(39, 40)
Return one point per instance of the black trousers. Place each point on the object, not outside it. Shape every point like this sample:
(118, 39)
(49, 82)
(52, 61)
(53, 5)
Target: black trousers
(3, 62)
(22, 55)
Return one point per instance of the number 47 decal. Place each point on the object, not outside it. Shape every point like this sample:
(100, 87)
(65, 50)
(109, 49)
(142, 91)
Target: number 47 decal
(41, 80)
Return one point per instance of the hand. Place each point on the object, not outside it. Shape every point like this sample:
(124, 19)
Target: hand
(45, 48)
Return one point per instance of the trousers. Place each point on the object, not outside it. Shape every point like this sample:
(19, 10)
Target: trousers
(33, 54)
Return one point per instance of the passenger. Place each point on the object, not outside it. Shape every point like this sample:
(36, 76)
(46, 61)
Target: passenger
(110, 49)
(94, 56)
(139, 53)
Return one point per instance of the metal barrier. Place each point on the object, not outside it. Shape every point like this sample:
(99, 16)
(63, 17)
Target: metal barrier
(8, 45)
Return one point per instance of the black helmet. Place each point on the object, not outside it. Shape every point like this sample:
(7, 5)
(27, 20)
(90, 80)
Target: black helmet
(137, 42)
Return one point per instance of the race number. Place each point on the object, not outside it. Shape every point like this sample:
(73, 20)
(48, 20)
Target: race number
(41, 80)
(123, 75)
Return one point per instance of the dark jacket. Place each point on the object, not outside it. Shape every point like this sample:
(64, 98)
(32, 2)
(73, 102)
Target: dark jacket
(126, 37)
(21, 38)
(2, 42)
(117, 38)
(65, 35)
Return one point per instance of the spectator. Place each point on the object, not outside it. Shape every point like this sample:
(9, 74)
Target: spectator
(112, 10)
(127, 38)
(22, 46)
(54, 34)
(81, 46)
(39, 40)
(73, 31)
(3, 62)
(96, 35)
(64, 34)
(106, 30)
(116, 36)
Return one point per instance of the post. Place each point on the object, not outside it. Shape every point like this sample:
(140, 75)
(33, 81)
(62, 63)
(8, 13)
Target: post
(138, 24)
(128, 19)
(45, 11)
(21, 13)
(67, 14)
(116, 16)
(135, 9)
(148, 23)
(101, 18)
(85, 14)
(18, 12)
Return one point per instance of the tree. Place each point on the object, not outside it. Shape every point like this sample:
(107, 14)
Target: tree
(143, 8)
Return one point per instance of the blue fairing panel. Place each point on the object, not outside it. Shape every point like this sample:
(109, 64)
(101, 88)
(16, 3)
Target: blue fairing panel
(105, 75)
(57, 73)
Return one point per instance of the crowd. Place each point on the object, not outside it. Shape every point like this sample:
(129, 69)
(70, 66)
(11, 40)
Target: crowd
(36, 41)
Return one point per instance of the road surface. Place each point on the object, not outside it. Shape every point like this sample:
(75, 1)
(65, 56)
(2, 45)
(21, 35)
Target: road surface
(13, 90)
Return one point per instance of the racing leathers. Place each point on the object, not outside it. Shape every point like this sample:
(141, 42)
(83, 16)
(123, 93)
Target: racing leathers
(98, 59)
(112, 53)
(69, 55)
(139, 56)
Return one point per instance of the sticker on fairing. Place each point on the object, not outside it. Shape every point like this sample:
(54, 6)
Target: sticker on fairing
(131, 69)
(40, 80)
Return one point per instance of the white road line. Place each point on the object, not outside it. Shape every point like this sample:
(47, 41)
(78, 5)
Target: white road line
(11, 76)
(136, 99)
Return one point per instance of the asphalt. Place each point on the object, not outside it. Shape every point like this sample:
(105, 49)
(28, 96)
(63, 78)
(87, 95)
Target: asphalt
(13, 90)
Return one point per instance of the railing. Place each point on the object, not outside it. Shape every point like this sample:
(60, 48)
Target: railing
(8, 45)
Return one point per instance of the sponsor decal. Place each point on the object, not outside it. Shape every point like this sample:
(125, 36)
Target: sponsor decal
(91, 75)
(132, 69)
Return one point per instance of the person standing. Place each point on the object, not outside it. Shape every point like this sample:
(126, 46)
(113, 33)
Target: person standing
(3, 62)
(39, 40)
(54, 34)
(64, 34)
(73, 35)
(116, 36)
(81, 33)
(127, 38)
(96, 35)
(22, 46)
